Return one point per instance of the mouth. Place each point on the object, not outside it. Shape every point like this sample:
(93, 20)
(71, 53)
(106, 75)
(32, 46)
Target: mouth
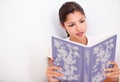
(80, 34)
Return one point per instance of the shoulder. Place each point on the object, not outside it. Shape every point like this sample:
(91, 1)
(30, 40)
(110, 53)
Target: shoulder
(68, 38)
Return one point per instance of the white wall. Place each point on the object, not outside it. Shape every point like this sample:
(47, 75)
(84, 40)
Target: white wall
(26, 27)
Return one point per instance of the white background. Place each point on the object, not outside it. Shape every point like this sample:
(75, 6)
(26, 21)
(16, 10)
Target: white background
(27, 25)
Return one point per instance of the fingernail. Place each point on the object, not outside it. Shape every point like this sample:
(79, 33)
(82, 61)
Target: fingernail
(61, 69)
(104, 74)
(104, 69)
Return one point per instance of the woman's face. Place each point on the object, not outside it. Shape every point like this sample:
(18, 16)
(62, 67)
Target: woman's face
(75, 25)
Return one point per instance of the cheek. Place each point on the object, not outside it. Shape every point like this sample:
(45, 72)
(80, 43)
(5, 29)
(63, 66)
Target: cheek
(71, 31)
(85, 26)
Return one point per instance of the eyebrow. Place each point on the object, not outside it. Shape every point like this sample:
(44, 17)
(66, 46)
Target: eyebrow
(82, 18)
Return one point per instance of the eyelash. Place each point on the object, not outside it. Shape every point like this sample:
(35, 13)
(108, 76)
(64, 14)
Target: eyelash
(81, 21)
(71, 25)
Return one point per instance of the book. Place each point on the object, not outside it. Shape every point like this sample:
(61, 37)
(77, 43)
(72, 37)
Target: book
(81, 63)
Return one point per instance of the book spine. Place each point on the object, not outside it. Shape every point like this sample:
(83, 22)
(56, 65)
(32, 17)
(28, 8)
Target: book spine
(87, 64)
(90, 64)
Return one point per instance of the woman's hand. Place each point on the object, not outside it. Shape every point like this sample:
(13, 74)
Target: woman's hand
(51, 71)
(113, 73)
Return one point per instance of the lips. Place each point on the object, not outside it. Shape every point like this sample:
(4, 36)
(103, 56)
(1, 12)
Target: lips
(80, 34)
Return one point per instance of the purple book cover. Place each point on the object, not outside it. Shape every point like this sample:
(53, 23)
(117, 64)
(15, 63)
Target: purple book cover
(81, 63)
(102, 53)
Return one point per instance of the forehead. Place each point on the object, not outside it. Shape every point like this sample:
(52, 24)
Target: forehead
(74, 16)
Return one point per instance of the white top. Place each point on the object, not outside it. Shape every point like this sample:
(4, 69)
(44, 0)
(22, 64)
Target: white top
(91, 40)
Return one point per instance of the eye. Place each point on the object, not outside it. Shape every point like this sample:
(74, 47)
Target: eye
(71, 25)
(81, 21)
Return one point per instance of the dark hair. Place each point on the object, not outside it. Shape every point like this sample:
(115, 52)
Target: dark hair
(67, 8)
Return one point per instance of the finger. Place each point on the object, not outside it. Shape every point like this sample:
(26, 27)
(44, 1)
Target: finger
(52, 68)
(54, 74)
(111, 69)
(51, 71)
(113, 63)
(112, 74)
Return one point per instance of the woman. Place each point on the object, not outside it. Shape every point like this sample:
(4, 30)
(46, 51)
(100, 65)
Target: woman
(73, 20)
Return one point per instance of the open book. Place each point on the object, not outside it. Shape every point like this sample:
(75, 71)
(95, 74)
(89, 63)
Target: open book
(82, 63)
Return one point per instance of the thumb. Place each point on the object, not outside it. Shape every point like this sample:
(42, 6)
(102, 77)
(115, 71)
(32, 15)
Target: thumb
(50, 61)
